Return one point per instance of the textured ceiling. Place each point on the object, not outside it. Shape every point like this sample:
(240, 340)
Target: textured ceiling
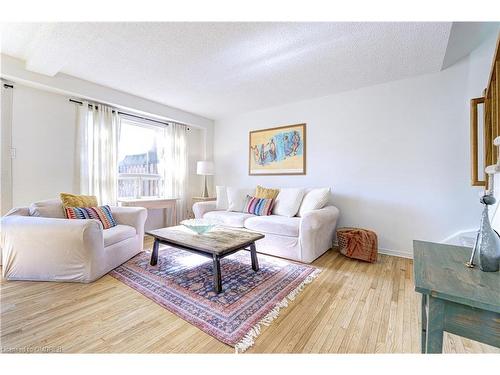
(219, 69)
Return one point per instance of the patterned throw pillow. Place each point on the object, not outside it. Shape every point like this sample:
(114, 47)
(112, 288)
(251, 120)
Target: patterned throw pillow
(262, 192)
(258, 206)
(102, 213)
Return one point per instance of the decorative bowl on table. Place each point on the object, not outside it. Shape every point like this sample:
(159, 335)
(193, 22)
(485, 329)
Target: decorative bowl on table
(199, 226)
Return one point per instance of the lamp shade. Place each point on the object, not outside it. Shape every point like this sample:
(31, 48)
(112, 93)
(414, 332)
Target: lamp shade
(205, 168)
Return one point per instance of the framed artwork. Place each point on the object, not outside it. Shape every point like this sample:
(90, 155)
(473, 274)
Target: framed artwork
(278, 151)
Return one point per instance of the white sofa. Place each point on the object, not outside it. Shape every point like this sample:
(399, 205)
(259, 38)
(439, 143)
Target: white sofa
(58, 249)
(297, 238)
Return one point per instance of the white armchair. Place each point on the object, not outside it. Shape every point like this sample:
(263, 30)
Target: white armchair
(56, 249)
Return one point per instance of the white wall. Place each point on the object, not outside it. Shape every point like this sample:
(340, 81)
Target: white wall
(396, 155)
(43, 135)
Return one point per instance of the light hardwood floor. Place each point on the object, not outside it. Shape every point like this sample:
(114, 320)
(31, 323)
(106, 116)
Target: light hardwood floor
(352, 307)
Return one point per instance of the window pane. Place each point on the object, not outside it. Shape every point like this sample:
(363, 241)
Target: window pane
(138, 161)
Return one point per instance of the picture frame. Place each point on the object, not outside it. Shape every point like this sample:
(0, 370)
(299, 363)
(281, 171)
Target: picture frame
(277, 151)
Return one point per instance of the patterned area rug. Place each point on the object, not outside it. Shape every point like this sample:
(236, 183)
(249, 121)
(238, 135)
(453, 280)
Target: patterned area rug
(182, 283)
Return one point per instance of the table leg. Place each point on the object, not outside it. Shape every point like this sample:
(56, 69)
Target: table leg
(253, 254)
(423, 323)
(154, 254)
(175, 213)
(217, 275)
(435, 325)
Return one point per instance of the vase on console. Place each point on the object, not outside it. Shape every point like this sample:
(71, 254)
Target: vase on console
(486, 251)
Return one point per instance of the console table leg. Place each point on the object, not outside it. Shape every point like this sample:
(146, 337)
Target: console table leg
(154, 254)
(435, 325)
(423, 323)
(217, 275)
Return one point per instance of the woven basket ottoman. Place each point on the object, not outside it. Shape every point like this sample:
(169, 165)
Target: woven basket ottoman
(358, 243)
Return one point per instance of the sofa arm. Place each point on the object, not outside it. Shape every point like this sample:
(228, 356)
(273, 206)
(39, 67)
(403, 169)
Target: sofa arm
(201, 208)
(19, 211)
(317, 218)
(133, 216)
(16, 211)
(317, 231)
(38, 248)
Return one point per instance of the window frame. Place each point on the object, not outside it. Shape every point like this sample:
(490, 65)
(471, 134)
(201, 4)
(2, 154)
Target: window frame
(140, 177)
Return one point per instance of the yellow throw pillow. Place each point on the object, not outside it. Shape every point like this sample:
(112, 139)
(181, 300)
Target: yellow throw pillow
(262, 192)
(72, 200)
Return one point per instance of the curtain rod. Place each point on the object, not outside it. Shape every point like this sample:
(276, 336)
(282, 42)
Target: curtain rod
(131, 115)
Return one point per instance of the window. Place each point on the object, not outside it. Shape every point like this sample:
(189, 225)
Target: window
(139, 160)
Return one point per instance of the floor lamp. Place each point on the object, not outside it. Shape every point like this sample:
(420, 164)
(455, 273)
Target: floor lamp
(205, 168)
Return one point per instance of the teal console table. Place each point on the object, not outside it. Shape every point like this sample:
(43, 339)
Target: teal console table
(456, 299)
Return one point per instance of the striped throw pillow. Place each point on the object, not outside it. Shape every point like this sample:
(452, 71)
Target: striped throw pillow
(102, 213)
(258, 206)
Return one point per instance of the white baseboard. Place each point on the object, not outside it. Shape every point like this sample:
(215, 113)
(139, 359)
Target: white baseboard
(396, 253)
(393, 253)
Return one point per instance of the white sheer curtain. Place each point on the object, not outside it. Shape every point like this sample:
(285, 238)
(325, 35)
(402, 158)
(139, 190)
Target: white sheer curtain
(98, 129)
(175, 165)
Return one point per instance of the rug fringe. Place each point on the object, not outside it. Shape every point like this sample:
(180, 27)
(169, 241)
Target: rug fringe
(249, 339)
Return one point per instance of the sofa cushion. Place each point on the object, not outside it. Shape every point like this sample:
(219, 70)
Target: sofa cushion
(117, 233)
(262, 192)
(49, 208)
(102, 213)
(73, 200)
(232, 219)
(314, 199)
(288, 201)
(236, 198)
(258, 206)
(274, 224)
(221, 202)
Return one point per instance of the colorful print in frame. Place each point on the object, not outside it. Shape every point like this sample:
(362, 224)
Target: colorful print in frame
(278, 151)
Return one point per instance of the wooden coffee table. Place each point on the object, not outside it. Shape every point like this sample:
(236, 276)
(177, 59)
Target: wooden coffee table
(216, 244)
